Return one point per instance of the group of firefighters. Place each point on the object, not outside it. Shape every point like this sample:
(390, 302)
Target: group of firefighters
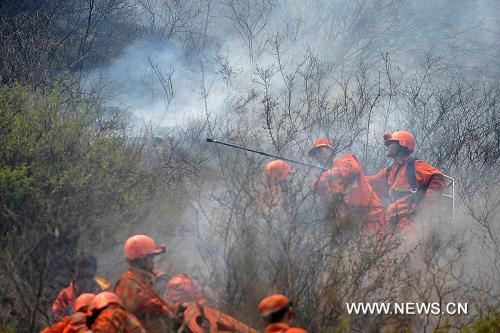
(137, 304)
(407, 186)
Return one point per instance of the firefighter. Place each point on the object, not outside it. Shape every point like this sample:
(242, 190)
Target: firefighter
(277, 312)
(136, 285)
(107, 315)
(84, 281)
(276, 175)
(345, 190)
(182, 289)
(76, 322)
(410, 183)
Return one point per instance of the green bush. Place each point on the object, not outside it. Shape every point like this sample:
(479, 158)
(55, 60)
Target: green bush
(71, 182)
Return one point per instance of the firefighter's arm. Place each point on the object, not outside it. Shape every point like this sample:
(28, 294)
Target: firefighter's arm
(139, 301)
(379, 183)
(60, 305)
(152, 306)
(433, 180)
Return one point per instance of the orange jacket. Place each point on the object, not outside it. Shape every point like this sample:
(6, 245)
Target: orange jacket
(283, 328)
(77, 323)
(136, 290)
(70, 324)
(272, 196)
(403, 205)
(57, 327)
(114, 319)
(63, 305)
(345, 186)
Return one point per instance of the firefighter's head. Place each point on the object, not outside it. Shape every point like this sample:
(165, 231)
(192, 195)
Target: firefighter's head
(140, 251)
(322, 151)
(276, 309)
(82, 303)
(85, 270)
(277, 171)
(399, 144)
(101, 301)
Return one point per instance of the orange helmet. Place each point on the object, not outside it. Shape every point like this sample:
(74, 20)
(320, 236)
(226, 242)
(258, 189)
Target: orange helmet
(82, 302)
(296, 330)
(139, 246)
(102, 300)
(320, 143)
(272, 304)
(404, 138)
(277, 169)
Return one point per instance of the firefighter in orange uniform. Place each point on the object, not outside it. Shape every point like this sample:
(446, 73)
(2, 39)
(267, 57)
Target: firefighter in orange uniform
(182, 289)
(276, 182)
(85, 281)
(78, 319)
(107, 315)
(136, 285)
(277, 312)
(410, 183)
(75, 322)
(345, 189)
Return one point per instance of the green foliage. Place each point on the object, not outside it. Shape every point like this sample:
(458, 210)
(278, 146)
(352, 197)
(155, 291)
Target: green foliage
(71, 182)
(6, 329)
(488, 324)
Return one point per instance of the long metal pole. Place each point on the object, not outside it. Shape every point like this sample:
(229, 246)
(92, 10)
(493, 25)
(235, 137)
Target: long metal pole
(264, 153)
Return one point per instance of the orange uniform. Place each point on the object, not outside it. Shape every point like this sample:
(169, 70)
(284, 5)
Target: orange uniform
(277, 173)
(77, 323)
(283, 328)
(345, 187)
(114, 319)
(63, 304)
(57, 327)
(136, 290)
(271, 195)
(70, 324)
(182, 289)
(270, 306)
(394, 182)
